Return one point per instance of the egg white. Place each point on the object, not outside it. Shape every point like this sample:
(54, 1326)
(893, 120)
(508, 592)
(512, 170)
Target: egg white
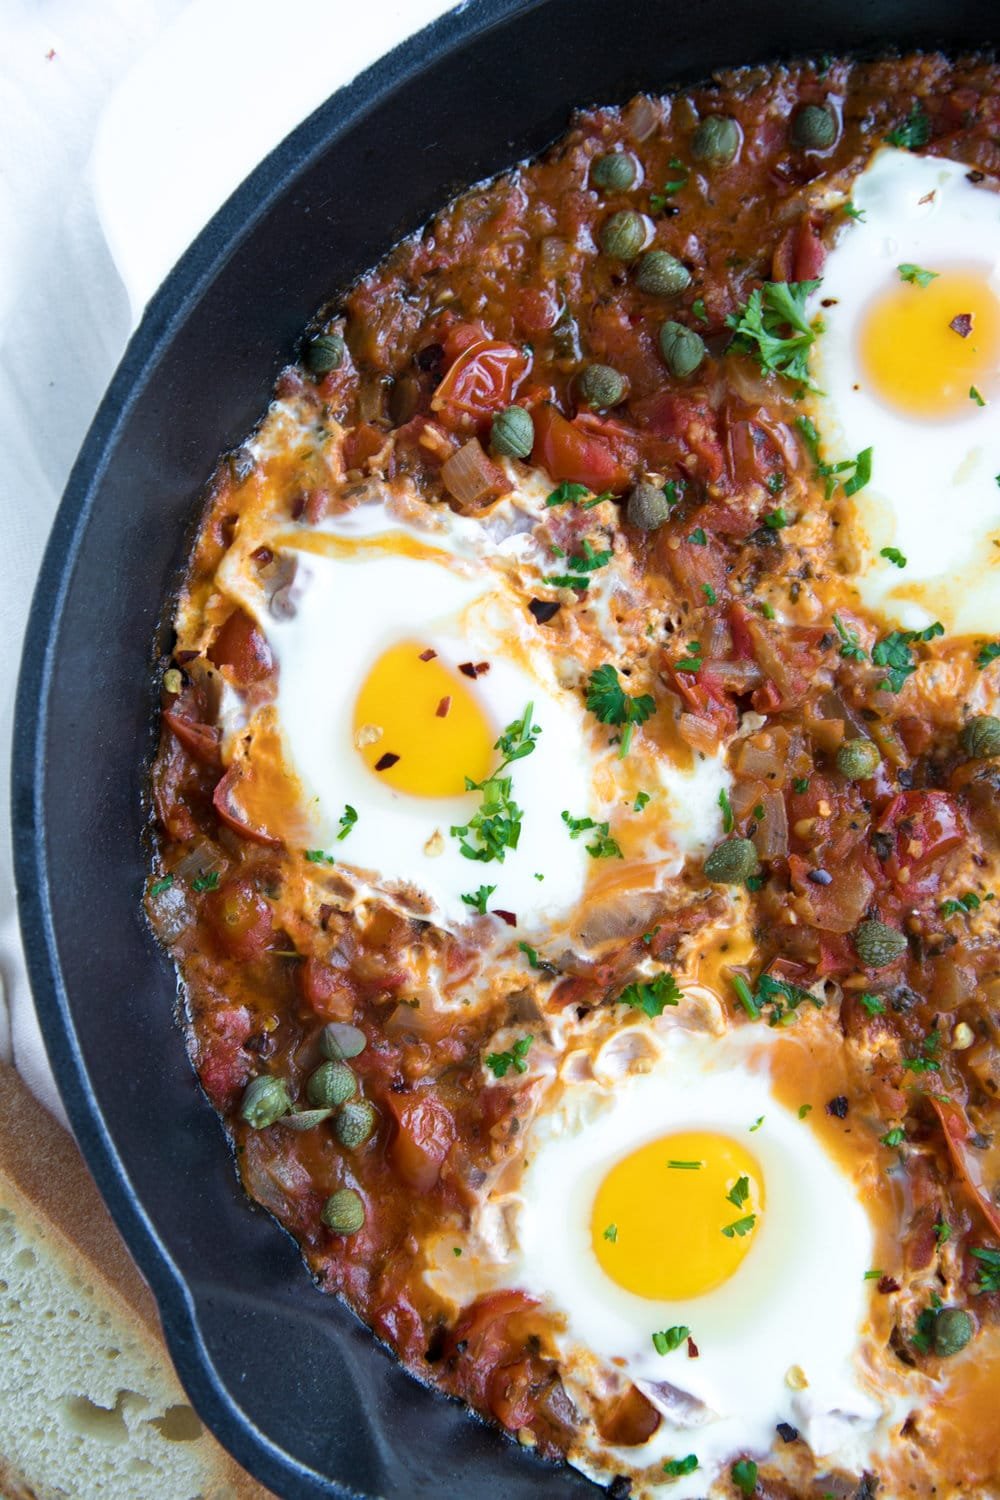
(933, 493)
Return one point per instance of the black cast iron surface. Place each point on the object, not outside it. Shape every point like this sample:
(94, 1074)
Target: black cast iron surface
(287, 1378)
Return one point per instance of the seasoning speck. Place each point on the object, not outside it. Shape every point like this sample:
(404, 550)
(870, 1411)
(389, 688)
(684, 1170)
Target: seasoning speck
(962, 325)
(427, 655)
(386, 761)
(838, 1107)
(442, 710)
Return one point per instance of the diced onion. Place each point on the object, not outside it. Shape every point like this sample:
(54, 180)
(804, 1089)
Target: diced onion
(771, 837)
(469, 476)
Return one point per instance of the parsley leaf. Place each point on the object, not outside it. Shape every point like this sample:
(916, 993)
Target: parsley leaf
(988, 654)
(893, 652)
(894, 1137)
(728, 821)
(500, 1063)
(773, 307)
(652, 996)
(698, 537)
(739, 1192)
(347, 820)
(893, 555)
(873, 1005)
(603, 845)
(584, 562)
(611, 1233)
(960, 904)
(675, 1467)
(850, 642)
(641, 801)
(916, 275)
(670, 1339)
(989, 1276)
(709, 593)
(926, 1061)
(496, 827)
(854, 213)
(567, 494)
(974, 395)
(914, 132)
(608, 701)
(740, 1227)
(479, 899)
(207, 882)
(319, 857)
(159, 886)
(744, 1475)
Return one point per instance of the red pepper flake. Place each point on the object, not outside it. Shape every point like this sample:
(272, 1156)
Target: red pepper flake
(928, 197)
(838, 1107)
(961, 324)
(692, 1348)
(385, 761)
(427, 655)
(505, 916)
(443, 707)
(543, 609)
(262, 557)
(183, 657)
(474, 669)
(887, 1284)
(50, 56)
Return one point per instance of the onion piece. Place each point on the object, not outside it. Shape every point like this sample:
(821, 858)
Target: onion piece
(738, 676)
(203, 858)
(771, 837)
(700, 732)
(470, 477)
(956, 1133)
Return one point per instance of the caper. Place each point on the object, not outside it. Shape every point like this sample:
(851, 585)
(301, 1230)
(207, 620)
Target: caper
(266, 1099)
(981, 737)
(683, 350)
(601, 386)
(344, 1212)
(814, 128)
(731, 862)
(878, 944)
(647, 508)
(952, 1331)
(716, 141)
(858, 759)
(662, 274)
(512, 434)
(337, 1040)
(615, 172)
(330, 1085)
(305, 1119)
(354, 1124)
(325, 353)
(624, 235)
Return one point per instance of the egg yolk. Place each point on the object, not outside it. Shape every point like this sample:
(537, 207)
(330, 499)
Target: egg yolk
(675, 1218)
(418, 726)
(925, 348)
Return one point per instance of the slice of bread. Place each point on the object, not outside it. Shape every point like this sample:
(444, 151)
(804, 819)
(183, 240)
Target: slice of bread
(89, 1403)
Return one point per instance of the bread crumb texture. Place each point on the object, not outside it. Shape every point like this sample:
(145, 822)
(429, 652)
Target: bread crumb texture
(88, 1407)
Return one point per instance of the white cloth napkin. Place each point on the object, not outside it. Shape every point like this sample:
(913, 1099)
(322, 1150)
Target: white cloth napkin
(126, 123)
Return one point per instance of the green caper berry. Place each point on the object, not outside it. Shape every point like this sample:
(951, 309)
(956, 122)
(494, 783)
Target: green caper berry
(344, 1212)
(878, 945)
(952, 1331)
(624, 235)
(354, 1124)
(512, 434)
(325, 353)
(600, 386)
(305, 1119)
(683, 350)
(337, 1040)
(814, 128)
(330, 1085)
(661, 274)
(716, 141)
(266, 1100)
(731, 862)
(647, 507)
(858, 759)
(615, 172)
(981, 737)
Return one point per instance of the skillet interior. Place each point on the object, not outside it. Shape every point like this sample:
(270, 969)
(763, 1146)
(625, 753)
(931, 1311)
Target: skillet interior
(289, 1380)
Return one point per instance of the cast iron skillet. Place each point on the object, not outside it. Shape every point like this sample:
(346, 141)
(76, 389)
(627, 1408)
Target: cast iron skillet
(287, 1378)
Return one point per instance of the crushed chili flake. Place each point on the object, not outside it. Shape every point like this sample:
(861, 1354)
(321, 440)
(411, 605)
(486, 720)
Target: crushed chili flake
(544, 609)
(787, 1432)
(887, 1284)
(443, 708)
(386, 761)
(474, 669)
(505, 916)
(263, 556)
(838, 1107)
(427, 655)
(692, 1348)
(961, 324)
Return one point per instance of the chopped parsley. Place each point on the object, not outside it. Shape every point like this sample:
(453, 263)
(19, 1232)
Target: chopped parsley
(709, 593)
(916, 275)
(159, 886)
(759, 329)
(583, 562)
(611, 1233)
(924, 1330)
(893, 652)
(781, 996)
(960, 904)
(500, 1063)
(989, 1275)
(913, 133)
(674, 1468)
(854, 213)
(893, 555)
(894, 1137)
(531, 954)
(456, 1250)
(658, 201)
(698, 537)
(926, 1060)
(744, 1475)
(975, 396)
(686, 1166)
(608, 701)
(674, 491)
(670, 1339)
(641, 801)
(603, 846)
(739, 1192)
(757, 1124)
(873, 1005)
(801, 784)
(728, 821)
(699, 310)
(874, 1275)
(775, 482)
(851, 473)
(205, 882)
(496, 827)
(775, 520)
(942, 1231)
(804, 1109)
(693, 661)
(347, 820)
(651, 996)
(478, 900)
(567, 494)
(987, 654)
(740, 1227)
(850, 641)
(319, 857)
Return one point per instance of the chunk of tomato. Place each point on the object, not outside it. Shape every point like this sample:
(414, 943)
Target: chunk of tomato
(566, 452)
(240, 918)
(241, 648)
(926, 826)
(480, 381)
(424, 1134)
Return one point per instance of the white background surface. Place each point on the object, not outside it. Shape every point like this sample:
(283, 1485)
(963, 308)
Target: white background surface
(125, 124)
